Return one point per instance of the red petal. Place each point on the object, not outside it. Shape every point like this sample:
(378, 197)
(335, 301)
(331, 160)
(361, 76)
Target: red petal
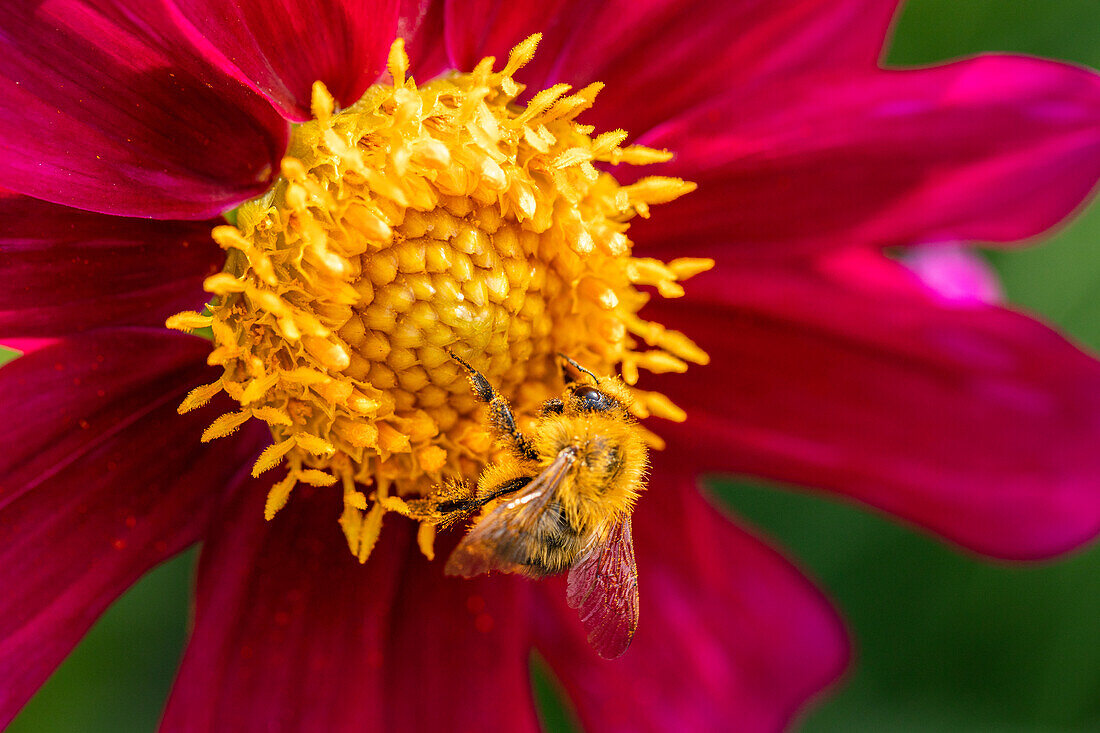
(479, 28)
(970, 420)
(459, 651)
(421, 25)
(66, 270)
(660, 57)
(291, 633)
(993, 148)
(280, 47)
(730, 637)
(102, 481)
(105, 106)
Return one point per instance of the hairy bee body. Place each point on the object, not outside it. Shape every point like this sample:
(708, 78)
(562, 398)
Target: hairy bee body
(606, 478)
(560, 501)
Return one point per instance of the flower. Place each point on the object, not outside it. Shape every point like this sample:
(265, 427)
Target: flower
(422, 220)
(125, 130)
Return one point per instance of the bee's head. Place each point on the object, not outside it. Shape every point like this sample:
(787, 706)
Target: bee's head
(585, 393)
(608, 397)
(586, 398)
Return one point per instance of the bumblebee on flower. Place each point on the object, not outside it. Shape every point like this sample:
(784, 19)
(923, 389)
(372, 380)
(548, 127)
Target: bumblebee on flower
(443, 192)
(418, 219)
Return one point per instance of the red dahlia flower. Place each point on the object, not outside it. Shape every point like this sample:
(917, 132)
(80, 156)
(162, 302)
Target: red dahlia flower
(443, 213)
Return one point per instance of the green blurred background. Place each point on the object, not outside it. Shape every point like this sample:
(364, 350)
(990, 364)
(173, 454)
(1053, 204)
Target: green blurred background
(944, 642)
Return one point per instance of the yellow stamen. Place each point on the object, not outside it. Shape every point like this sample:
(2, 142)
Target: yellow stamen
(278, 496)
(188, 321)
(225, 425)
(199, 396)
(425, 538)
(272, 456)
(423, 218)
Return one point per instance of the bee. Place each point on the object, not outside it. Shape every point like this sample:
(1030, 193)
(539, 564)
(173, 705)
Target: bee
(561, 500)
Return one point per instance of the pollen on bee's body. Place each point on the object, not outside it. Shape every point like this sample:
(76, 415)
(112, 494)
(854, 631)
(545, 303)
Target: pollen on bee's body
(420, 219)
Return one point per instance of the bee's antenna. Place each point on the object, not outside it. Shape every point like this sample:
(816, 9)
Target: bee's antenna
(579, 368)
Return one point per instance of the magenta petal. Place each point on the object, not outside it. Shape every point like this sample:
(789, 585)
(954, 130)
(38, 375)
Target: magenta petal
(421, 25)
(730, 636)
(954, 272)
(102, 480)
(993, 148)
(973, 421)
(292, 633)
(27, 345)
(464, 645)
(479, 28)
(280, 47)
(105, 106)
(660, 57)
(289, 629)
(64, 399)
(66, 270)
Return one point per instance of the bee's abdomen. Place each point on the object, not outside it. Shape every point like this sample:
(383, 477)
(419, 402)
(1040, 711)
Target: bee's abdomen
(557, 543)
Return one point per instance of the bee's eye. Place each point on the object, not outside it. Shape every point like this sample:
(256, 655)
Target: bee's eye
(591, 399)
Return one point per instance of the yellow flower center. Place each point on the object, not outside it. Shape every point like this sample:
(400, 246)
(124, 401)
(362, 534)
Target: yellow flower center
(419, 219)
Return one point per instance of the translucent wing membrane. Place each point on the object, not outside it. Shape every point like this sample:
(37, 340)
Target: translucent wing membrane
(603, 587)
(502, 539)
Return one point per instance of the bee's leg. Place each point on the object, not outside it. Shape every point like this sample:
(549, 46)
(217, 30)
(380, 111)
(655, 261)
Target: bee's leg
(468, 506)
(444, 505)
(500, 412)
(552, 406)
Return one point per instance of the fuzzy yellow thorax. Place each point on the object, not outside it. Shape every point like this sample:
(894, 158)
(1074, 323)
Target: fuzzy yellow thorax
(422, 218)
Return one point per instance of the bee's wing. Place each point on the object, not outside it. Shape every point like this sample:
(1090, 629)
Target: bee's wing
(499, 541)
(603, 587)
